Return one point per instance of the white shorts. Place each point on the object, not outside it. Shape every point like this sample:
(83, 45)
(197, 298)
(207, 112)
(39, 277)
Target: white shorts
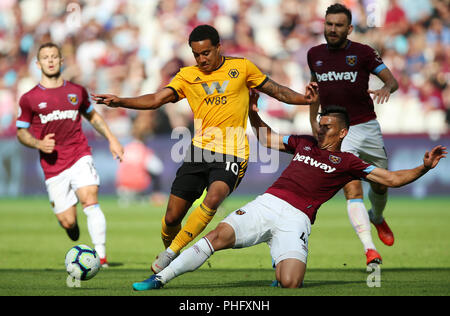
(366, 142)
(61, 188)
(269, 219)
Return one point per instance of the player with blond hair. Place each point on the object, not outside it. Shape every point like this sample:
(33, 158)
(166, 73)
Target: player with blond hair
(49, 120)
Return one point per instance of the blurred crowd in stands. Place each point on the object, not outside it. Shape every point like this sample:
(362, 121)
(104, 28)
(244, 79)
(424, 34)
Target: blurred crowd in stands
(132, 47)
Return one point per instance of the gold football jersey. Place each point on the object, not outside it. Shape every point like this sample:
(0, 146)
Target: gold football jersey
(219, 101)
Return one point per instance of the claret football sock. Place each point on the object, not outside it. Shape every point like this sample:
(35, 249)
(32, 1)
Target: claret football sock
(195, 224)
(378, 205)
(359, 218)
(96, 223)
(168, 233)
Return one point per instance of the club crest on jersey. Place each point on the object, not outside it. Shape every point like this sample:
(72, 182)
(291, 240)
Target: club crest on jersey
(334, 159)
(233, 73)
(351, 60)
(73, 98)
(240, 212)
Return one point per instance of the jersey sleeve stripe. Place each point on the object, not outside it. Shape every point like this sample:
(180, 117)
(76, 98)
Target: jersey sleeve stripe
(262, 83)
(90, 109)
(379, 69)
(369, 169)
(175, 93)
(22, 124)
(286, 139)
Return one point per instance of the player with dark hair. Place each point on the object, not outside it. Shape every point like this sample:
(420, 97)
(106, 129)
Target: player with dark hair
(49, 120)
(283, 215)
(217, 89)
(342, 68)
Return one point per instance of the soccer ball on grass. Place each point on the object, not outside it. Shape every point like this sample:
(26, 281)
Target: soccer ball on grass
(82, 262)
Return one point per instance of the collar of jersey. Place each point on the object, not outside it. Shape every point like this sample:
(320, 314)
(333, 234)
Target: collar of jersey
(346, 47)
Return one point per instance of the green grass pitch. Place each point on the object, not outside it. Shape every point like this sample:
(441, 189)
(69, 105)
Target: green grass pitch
(33, 247)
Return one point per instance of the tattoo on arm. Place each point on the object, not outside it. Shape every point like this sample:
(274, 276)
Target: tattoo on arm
(279, 92)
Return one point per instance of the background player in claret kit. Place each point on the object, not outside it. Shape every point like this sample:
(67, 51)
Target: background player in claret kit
(49, 121)
(283, 215)
(341, 69)
(217, 90)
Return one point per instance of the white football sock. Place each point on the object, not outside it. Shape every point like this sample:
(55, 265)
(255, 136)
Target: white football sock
(359, 219)
(189, 260)
(378, 205)
(96, 223)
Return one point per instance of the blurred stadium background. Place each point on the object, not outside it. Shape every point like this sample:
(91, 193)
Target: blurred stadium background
(135, 47)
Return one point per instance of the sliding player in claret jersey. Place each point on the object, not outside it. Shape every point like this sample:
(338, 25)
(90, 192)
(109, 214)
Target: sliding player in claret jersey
(283, 215)
(49, 120)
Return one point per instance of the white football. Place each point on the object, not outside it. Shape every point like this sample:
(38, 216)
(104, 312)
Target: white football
(82, 262)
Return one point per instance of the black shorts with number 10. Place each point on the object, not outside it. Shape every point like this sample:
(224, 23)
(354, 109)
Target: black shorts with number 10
(201, 168)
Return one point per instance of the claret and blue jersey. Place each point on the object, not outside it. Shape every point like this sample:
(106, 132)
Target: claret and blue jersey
(343, 77)
(315, 175)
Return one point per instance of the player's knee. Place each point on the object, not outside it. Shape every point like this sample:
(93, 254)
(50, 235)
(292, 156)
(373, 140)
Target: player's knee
(379, 188)
(67, 223)
(214, 200)
(353, 192)
(172, 218)
(217, 192)
(291, 281)
(222, 237)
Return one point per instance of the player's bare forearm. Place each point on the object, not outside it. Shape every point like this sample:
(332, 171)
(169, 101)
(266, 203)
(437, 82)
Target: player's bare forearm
(390, 83)
(144, 102)
(283, 94)
(313, 112)
(264, 133)
(399, 178)
(46, 145)
(101, 127)
(26, 139)
(403, 177)
(99, 124)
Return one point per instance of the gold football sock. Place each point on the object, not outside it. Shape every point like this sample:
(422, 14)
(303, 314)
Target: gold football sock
(168, 233)
(195, 224)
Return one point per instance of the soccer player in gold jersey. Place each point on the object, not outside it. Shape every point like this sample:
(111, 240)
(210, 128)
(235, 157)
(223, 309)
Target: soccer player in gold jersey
(217, 89)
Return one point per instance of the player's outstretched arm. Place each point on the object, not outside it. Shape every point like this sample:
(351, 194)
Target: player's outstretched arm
(390, 86)
(100, 126)
(402, 177)
(285, 94)
(266, 136)
(46, 145)
(144, 102)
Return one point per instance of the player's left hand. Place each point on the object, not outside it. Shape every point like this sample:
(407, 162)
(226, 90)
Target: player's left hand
(431, 159)
(381, 95)
(116, 149)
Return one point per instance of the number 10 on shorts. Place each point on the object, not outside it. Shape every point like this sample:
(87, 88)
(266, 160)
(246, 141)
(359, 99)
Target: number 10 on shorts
(232, 166)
